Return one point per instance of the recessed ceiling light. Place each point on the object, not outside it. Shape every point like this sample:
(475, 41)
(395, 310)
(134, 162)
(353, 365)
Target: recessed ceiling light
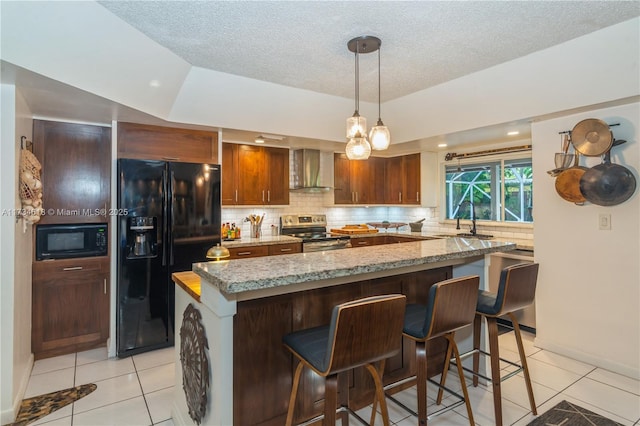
(154, 83)
(442, 145)
(513, 133)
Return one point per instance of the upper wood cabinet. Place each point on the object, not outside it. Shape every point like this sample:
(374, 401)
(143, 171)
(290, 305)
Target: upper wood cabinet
(146, 142)
(254, 175)
(76, 173)
(377, 180)
(358, 181)
(402, 176)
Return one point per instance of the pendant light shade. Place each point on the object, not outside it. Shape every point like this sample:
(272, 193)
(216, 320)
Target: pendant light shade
(358, 148)
(380, 136)
(356, 124)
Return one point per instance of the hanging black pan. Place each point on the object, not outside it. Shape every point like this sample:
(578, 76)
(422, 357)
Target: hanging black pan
(607, 184)
(591, 137)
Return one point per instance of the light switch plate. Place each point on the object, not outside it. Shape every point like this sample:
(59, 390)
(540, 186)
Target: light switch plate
(604, 221)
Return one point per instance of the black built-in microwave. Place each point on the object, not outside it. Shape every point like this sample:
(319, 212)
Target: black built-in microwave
(70, 241)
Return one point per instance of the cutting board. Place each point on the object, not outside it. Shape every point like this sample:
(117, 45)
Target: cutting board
(354, 229)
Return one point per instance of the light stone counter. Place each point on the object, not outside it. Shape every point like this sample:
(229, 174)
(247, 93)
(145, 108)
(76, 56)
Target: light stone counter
(260, 273)
(521, 244)
(265, 240)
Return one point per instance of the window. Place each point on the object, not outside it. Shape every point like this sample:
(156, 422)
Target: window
(498, 190)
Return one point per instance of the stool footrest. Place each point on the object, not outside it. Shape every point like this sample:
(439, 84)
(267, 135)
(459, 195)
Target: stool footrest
(340, 409)
(481, 352)
(432, 415)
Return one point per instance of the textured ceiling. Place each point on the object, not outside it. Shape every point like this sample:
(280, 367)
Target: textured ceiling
(303, 44)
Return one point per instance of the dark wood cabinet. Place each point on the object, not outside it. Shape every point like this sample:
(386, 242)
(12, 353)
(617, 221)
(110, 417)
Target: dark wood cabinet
(368, 241)
(380, 239)
(145, 142)
(402, 176)
(76, 172)
(70, 310)
(265, 250)
(259, 356)
(358, 181)
(254, 175)
(289, 248)
(394, 180)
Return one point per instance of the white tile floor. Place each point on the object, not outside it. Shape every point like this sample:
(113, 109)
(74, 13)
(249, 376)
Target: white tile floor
(139, 390)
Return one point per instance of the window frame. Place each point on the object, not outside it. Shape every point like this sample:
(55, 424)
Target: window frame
(497, 159)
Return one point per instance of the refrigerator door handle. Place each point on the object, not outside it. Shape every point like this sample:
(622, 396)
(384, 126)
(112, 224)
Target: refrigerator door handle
(165, 224)
(173, 202)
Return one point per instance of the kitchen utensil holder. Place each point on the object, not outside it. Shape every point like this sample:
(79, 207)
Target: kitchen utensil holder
(256, 230)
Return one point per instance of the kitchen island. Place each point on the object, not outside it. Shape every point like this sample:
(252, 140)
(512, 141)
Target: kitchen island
(247, 305)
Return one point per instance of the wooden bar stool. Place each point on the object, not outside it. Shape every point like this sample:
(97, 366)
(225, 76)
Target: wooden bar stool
(516, 290)
(361, 333)
(450, 306)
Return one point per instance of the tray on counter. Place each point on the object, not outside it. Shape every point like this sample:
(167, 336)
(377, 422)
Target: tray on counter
(386, 225)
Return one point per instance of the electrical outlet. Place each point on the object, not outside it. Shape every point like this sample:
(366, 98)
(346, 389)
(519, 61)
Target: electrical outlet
(604, 221)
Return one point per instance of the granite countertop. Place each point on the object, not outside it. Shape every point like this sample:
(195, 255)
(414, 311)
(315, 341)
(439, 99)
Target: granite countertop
(521, 244)
(265, 240)
(242, 275)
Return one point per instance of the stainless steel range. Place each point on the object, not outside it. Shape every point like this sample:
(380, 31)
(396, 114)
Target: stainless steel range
(312, 228)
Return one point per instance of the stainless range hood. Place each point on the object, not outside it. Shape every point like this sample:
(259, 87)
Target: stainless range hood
(312, 171)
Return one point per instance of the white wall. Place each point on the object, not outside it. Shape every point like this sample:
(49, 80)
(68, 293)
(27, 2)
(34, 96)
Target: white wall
(15, 261)
(23, 247)
(588, 295)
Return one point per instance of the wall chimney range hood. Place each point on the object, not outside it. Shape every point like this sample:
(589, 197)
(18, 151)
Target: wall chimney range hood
(312, 171)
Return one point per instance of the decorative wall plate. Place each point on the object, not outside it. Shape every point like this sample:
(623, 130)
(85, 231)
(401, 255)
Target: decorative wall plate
(195, 365)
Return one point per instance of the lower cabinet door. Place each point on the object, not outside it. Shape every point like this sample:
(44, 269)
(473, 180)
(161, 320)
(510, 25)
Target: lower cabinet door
(70, 309)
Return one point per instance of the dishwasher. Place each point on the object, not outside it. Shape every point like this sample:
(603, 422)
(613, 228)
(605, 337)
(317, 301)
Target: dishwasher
(527, 316)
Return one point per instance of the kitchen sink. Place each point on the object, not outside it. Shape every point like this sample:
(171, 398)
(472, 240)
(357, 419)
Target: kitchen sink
(478, 236)
(466, 235)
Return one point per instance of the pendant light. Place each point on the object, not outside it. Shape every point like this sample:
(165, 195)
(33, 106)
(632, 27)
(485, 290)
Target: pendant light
(358, 147)
(380, 136)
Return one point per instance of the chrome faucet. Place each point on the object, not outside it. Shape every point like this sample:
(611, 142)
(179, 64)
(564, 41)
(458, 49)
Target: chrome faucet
(472, 230)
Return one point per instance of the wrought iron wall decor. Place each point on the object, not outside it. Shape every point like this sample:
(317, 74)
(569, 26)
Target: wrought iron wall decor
(195, 365)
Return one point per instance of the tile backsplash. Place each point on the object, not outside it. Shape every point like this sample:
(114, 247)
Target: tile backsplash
(338, 216)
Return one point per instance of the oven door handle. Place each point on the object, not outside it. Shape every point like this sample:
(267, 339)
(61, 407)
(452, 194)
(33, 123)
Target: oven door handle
(319, 246)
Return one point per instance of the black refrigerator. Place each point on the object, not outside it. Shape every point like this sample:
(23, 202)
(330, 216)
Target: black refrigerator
(169, 216)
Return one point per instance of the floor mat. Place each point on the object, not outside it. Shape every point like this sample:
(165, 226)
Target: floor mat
(39, 406)
(568, 414)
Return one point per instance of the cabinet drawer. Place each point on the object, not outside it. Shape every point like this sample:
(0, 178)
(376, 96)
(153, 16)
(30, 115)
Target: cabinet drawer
(285, 249)
(361, 242)
(49, 268)
(250, 251)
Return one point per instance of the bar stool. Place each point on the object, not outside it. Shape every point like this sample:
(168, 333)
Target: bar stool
(516, 290)
(450, 306)
(361, 332)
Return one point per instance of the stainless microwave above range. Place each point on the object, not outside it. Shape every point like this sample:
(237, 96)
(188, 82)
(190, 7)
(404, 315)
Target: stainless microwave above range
(71, 241)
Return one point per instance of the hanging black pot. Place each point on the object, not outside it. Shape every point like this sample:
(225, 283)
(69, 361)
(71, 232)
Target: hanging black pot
(607, 184)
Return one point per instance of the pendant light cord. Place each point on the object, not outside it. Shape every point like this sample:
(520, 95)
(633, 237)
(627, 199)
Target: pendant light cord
(357, 78)
(379, 113)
